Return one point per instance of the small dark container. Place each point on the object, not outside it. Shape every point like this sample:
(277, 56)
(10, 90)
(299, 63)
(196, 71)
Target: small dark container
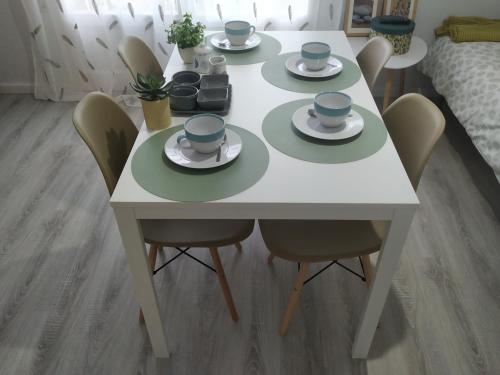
(214, 81)
(212, 98)
(183, 98)
(186, 78)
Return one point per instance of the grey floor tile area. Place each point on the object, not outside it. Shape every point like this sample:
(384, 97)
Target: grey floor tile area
(67, 304)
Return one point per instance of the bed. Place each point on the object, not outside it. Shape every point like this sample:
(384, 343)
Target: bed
(467, 75)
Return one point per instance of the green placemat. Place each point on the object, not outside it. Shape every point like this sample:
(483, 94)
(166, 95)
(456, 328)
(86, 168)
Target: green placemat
(274, 71)
(282, 135)
(155, 173)
(267, 49)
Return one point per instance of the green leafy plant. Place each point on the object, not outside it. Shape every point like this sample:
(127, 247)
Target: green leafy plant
(185, 33)
(151, 87)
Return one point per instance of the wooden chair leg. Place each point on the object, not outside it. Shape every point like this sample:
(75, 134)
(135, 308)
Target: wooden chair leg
(367, 266)
(270, 258)
(223, 283)
(294, 298)
(238, 246)
(153, 253)
(390, 75)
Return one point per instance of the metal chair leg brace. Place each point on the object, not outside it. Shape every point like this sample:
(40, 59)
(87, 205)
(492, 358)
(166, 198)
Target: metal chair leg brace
(362, 277)
(183, 252)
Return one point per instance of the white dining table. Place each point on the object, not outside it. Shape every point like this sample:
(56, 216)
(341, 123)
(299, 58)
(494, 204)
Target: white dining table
(376, 187)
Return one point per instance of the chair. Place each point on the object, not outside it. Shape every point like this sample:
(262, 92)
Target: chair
(138, 57)
(414, 124)
(110, 134)
(372, 58)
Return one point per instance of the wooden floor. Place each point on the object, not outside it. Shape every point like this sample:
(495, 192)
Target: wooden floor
(67, 305)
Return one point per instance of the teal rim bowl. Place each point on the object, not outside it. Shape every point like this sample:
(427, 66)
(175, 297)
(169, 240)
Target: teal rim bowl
(332, 103)
(315, 50)
(208, 128)
(237, 27)
(332, 108)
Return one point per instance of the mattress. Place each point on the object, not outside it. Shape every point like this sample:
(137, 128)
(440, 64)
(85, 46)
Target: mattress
(468, 76)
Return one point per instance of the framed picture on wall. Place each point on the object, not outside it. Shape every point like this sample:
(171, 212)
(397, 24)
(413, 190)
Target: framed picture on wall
(405, 8)
(358, 15)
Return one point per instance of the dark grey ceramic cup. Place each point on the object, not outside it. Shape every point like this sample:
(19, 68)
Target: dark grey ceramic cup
(186, 78)
(183, 98)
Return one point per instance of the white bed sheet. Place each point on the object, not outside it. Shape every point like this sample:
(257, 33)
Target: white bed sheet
(468, 76)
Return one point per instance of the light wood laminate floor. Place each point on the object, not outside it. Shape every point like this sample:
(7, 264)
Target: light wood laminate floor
(67, 304)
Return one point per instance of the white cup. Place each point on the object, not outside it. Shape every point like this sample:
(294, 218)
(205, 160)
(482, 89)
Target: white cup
(332, 108)
(203, 133)
(238, 32)
(217, 65)
(315, 55)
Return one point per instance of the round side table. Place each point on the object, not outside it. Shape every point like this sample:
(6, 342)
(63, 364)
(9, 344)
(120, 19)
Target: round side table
(418, 50)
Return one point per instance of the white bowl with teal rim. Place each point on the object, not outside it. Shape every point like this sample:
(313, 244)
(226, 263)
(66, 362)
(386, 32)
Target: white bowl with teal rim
(315, 55)
(238, 32)
(332, 108)
(204, 133)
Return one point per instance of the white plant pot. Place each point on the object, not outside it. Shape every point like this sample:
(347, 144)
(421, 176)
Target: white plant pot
(187, 54)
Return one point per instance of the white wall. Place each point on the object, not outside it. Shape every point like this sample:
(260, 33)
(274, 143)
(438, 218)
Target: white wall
(15, 58)
(16, 64)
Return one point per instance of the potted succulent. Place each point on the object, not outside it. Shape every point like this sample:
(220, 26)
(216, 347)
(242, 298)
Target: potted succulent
(154, 94)
(187, 36)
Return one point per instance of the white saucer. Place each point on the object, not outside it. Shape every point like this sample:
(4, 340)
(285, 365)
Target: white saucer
(220, 41)
(187, 157)
(295, 64)
(312, 127)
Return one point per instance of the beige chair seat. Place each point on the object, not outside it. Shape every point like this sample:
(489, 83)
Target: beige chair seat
(138, 57)
(196, 233)
(321, 240)
(372, 58)
(414, 124)
(110, 134)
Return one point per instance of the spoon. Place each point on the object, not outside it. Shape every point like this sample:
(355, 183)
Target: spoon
(311, 112)
(217, 159)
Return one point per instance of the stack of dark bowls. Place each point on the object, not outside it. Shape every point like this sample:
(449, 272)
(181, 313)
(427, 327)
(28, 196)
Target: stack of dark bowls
(192, 92)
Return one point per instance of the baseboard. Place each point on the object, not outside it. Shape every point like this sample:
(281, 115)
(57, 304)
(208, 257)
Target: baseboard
(16, 88)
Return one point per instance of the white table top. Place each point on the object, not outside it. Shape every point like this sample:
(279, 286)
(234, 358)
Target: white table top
(417, 52)
(370, 188)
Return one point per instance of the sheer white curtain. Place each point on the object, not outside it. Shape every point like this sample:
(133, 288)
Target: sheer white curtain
(75, 42)
(268, 14)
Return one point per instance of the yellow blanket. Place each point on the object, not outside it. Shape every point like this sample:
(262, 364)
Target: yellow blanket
(470, 29)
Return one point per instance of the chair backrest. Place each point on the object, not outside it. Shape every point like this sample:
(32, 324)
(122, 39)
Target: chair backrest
(372, 58)
(108, 131)
(414, 124)
(138, 57)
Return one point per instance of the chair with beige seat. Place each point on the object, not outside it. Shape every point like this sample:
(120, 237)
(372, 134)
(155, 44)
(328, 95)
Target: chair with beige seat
(373, 57)
(138, 57)
(110, 134)
(414, 124)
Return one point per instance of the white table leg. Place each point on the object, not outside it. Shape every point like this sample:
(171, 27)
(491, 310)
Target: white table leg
(133, 242)
(387, 265)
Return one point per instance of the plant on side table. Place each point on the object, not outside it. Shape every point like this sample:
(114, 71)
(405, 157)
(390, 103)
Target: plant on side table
(154, 94)
(186, 35)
